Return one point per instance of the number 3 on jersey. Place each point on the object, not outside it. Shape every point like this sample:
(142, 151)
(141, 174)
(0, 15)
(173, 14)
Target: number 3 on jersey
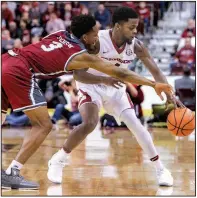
(54, 45)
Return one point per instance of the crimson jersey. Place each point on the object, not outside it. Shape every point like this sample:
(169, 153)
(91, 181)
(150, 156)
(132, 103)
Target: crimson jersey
(50, 57)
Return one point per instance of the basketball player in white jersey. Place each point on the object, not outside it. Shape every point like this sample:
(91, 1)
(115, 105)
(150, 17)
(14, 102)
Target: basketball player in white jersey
(120, 47)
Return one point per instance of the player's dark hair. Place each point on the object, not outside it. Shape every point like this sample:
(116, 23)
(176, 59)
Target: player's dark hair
(82, 24)
(123, 14)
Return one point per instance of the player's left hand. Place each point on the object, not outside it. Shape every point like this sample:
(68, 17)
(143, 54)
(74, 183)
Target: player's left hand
(163, 87)
(173, 102)
(170, 103)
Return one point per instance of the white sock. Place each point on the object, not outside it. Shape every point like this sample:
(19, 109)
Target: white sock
(142, 135)
(14, 164)
(60, 155)
(158, 165)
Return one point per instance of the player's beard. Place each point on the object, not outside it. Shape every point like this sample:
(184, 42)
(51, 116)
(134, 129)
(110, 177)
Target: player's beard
(128, 40)
(91, 48)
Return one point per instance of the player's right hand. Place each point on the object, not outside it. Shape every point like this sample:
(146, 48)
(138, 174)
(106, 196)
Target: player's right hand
(109, 81)
(162, 87)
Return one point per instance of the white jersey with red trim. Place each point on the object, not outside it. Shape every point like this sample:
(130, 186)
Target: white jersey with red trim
(110, 52)
(113, 100)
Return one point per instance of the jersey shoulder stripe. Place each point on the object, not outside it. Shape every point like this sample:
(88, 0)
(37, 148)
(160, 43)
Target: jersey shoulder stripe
(54, 33)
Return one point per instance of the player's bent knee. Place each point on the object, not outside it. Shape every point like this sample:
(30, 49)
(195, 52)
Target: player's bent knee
(90, 125)
(45, 127)
(48, 126)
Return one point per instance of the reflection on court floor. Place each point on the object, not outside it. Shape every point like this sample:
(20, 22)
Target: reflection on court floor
(106, 164)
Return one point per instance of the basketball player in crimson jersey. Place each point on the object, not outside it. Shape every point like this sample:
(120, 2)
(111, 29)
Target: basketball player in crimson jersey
(120, 47)
(53, 56)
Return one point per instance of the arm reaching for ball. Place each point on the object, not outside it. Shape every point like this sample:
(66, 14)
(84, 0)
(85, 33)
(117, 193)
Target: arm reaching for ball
(86, 60)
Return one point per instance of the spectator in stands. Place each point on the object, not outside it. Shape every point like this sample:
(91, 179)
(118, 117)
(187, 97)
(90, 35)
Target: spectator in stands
(17, 119)
(36, 29)
(84, 10)
(186, 83)
(103, 16)
(144, 14)
(12, 6)
(76, 8)
(34, 12)
(71, 112)
(190, 31)
(43, 5)
(35, 39)
(67, 15)
(50, 9)
(185, 56)
(25, 6)
(25, 17)
(14, 31)
(54, 24)
(24, 33)
(129, 4)
(7, 42)
(3, 24)
(93, 6)
(6, 13)
(18, 13)
(18, 43)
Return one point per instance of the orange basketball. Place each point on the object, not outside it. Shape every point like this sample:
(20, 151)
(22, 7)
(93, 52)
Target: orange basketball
(181, 121)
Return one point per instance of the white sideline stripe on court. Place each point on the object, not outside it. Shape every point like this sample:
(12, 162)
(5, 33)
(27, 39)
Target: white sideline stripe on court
(32, 91)
(29, 106)
(53, 33)
(73, 56)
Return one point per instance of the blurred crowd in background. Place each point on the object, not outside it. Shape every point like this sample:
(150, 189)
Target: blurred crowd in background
(24, 23)
(27, 22)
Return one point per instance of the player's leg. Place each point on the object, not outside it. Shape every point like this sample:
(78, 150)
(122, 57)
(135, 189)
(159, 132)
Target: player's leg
(90, 117)
(145, 141)
(24, 94)
(5, 104)
(41, 126)
(4, 108)
(122, 109)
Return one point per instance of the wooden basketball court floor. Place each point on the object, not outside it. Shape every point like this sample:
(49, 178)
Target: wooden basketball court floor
(106, 164)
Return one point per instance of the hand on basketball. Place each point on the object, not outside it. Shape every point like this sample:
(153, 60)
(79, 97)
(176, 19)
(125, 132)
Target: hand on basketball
(162, 87)
(170, 103)
(113, 82)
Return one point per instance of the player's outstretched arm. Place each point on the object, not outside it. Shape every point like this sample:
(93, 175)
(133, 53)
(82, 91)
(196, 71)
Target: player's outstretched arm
(143, 54)
(86, 60)
(83, 76)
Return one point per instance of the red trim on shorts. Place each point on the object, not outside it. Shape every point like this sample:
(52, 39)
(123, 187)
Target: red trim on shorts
(154, 158)
(87, 98)
(129, 99)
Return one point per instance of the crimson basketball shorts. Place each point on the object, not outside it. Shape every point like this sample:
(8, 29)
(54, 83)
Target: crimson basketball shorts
(19, 87)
